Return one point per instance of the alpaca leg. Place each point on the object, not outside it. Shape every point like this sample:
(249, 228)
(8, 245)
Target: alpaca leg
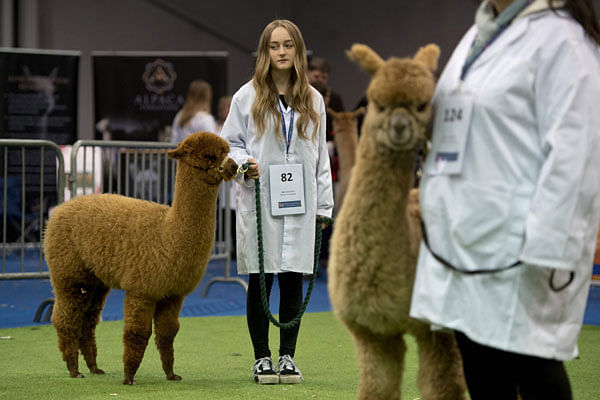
(166, 326)
(66, 318)
(87, 343)
(440, 374)
(381, 361)
(138, 314)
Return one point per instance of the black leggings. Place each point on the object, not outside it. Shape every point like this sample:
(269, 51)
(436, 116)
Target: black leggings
(496, 374)
(290, 293)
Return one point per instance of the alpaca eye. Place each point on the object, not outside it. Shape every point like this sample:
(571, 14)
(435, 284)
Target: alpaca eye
(379, 107)
(210, 157)
(421, 107)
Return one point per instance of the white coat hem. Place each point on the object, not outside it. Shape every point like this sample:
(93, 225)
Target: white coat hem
(440, 325)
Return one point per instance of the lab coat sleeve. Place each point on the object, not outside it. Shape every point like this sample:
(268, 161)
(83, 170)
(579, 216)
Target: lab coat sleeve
(558, 223)
(235, 131)
(324, 180)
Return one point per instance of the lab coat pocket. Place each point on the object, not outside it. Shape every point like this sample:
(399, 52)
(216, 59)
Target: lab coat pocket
(487, 228)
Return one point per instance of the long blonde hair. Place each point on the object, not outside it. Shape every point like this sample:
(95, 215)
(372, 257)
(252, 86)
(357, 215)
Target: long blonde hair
(199, 98)
(300, 98)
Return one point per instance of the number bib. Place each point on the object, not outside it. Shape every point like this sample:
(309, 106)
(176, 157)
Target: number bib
(287, 189)
(450, 132)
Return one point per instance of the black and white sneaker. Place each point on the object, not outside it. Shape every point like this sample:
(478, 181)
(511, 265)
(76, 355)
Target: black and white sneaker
(288, 370)
(263, 371)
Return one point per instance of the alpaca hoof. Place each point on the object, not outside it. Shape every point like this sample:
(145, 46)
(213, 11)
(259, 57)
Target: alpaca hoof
(128, 381)
(77, 375)
(97, 371)
(173, 377)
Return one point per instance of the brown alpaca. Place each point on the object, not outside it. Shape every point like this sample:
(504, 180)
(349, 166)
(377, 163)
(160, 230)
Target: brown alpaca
(155, 253)
(345, 126)
(376, 236)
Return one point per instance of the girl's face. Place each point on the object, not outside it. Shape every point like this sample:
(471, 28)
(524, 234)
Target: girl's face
(282, 50)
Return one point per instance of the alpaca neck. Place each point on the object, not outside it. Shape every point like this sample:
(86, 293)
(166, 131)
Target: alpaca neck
(385, 175)
(377, 198)
(346, 142)
(194, 206)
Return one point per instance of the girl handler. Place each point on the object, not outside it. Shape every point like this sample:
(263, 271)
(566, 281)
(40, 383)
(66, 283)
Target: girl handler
(277, 122)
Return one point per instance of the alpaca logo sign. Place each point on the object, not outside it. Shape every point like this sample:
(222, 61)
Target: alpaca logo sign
(159, 76)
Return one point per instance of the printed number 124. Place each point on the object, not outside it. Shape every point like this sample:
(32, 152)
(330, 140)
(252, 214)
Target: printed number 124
(452, 114)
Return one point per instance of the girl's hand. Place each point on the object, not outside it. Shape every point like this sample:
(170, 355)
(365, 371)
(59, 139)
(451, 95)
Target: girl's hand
(253, 169)
(323, 224)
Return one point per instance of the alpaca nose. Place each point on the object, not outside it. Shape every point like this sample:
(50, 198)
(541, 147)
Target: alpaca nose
(400, 122)
(233, 167)
(401, 132)
(228, 168)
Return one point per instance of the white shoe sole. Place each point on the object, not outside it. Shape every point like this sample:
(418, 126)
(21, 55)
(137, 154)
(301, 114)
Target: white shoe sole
(266, 379)
(290, 379)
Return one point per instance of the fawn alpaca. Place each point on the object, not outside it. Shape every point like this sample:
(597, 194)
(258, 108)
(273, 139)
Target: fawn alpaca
(377, 233)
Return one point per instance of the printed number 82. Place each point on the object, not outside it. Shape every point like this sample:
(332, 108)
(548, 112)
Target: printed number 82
(286, 177)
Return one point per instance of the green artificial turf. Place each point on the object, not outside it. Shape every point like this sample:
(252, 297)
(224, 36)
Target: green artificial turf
(214, 356)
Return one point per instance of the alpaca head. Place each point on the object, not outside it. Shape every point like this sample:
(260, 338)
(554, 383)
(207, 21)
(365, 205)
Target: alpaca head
(207, 153)
(345, 121)
(399, 96)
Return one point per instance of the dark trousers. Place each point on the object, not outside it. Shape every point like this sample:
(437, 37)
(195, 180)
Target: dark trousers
(290, 293)
(496, 374)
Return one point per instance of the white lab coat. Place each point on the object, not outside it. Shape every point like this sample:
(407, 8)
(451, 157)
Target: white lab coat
(200, 122)
(288, 241)
(528, 191)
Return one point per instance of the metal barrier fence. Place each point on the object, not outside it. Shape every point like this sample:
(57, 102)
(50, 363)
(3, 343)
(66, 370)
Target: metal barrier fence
(31, 182)
(134, 169)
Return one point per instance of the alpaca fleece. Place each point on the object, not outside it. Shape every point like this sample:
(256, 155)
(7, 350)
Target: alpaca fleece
(376, 236)
(155, 253)
(345, 126)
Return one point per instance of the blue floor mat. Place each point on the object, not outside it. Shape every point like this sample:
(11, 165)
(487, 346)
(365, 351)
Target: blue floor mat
(20, 299)
(592, 310)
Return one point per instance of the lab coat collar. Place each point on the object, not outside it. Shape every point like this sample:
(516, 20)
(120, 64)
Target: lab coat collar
(512, 33)
(516, 29)
(285, 108)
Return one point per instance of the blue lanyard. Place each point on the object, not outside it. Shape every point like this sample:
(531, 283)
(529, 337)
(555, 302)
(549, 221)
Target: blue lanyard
(284, 129)
(503, 21)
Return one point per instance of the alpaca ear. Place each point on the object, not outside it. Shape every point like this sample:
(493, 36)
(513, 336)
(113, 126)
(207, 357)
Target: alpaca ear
(366, 57)
(358, 111)
(429, 55)
(332, 113)
(177, 153)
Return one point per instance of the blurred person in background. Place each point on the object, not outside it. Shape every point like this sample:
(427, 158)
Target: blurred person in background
(195, 114)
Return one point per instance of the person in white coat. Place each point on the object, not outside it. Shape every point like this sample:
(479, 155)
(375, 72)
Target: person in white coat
(510, 195)
(277, 121)
(195, 114)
